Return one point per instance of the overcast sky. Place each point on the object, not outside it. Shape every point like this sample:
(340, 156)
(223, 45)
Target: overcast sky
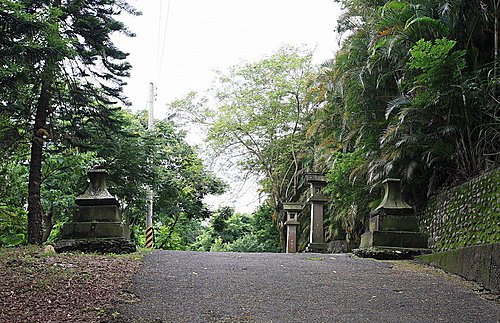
(179, 54)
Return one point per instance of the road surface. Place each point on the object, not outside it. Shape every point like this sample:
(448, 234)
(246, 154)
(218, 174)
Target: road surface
(242, 287)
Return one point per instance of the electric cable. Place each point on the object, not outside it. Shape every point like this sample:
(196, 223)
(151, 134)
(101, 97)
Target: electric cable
(164, 40)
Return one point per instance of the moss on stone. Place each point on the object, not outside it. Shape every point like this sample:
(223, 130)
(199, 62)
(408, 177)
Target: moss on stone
(465, 215)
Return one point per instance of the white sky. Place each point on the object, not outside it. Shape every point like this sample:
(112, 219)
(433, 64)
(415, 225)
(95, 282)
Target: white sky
(205, 35)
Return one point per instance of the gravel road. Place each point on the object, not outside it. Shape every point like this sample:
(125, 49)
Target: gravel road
(232, 287)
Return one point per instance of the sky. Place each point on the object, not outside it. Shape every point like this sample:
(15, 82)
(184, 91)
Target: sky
(180, 43)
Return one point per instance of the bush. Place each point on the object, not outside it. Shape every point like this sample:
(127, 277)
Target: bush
(13, 224)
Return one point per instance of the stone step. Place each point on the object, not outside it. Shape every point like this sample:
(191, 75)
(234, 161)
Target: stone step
(99, 213)
(394, 223)
(95, 230)
(400, 239)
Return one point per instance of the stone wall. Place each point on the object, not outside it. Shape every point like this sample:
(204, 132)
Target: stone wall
(478, 263)
(465, 215)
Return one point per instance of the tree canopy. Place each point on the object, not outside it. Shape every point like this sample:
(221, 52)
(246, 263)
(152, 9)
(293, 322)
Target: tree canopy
(412, 93)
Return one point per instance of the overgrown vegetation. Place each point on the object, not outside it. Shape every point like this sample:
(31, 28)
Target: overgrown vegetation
(413, 93)
(229, 231)
(61, 83)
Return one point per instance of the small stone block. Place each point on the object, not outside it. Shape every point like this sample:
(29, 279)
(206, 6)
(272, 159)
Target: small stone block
(104, 213)
(111, 245)
(290, 206)
(316, 247)
(318, 178)
(399, 239)
(95, 230)
(318, 199)
(394, 223)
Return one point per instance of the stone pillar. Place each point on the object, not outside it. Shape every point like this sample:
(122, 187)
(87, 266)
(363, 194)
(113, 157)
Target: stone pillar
(393, 224)
(317, 200)
(292, 213)
(97, 223)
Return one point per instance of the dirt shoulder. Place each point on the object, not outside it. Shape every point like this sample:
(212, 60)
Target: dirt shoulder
(38, 286)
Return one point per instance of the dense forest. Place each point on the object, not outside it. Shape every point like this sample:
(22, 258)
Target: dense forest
(413, 93)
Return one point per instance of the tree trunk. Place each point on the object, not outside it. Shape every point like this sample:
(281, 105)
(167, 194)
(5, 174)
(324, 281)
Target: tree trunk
(35, 211)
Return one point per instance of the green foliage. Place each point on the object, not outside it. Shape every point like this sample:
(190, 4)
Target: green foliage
(350, 197)
(235, 232)
(412, 93)
(13, 223)
(179, 236)
(436, 62)
(260, 119)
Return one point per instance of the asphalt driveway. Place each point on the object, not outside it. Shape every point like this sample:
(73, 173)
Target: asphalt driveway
(232, 287)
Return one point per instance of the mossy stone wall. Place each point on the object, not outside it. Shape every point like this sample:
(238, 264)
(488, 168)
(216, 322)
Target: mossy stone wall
(465, 215)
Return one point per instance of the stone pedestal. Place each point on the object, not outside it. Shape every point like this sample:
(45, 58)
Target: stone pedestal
(97, 223)
(292, 212)
(317, 201)
(393, 223)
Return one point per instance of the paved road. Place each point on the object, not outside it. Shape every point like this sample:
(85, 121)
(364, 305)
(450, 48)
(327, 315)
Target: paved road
(231, 287)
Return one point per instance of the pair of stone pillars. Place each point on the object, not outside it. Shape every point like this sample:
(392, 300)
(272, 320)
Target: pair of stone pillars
(317, 201)
(393, 224)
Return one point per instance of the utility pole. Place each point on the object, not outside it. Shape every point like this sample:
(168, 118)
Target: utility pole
(149, 216)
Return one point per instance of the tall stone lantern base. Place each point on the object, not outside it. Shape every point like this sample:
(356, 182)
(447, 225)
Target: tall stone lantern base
(97, 223)
(292, 211)
(393, 228)
(317, 200)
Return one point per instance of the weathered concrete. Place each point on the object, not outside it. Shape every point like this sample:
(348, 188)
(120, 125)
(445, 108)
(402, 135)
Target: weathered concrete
(464, 215)
(107, 245)
(386, 222)
(317, 200)
(301, 287)
(96, 229)
(393, 223)
(399, 239)
(292, 213)
(477, 263)
(97, 219)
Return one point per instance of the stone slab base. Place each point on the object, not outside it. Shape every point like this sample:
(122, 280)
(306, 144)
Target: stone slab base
(101, 213)
(477, 263)
(394, 223)
(111, 245)
(339, 246)
(95, 230)
(397, 239)
(316, 247)
(382, 253)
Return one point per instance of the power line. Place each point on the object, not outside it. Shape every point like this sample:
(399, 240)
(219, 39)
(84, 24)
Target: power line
(164, 39)
(158, 34)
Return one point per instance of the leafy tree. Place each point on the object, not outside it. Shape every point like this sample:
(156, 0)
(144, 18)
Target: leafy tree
(235, 232)
(135, 157)
(260, 119)
(60, 54)
(412, 94)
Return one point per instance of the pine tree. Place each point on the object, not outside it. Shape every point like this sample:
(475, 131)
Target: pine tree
(59, 52)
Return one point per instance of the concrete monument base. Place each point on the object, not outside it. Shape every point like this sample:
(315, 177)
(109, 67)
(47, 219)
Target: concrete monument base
(316, 247)
(97, 223)
(388, 253)
(393, 228)
(398, 239)
(102, 245)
